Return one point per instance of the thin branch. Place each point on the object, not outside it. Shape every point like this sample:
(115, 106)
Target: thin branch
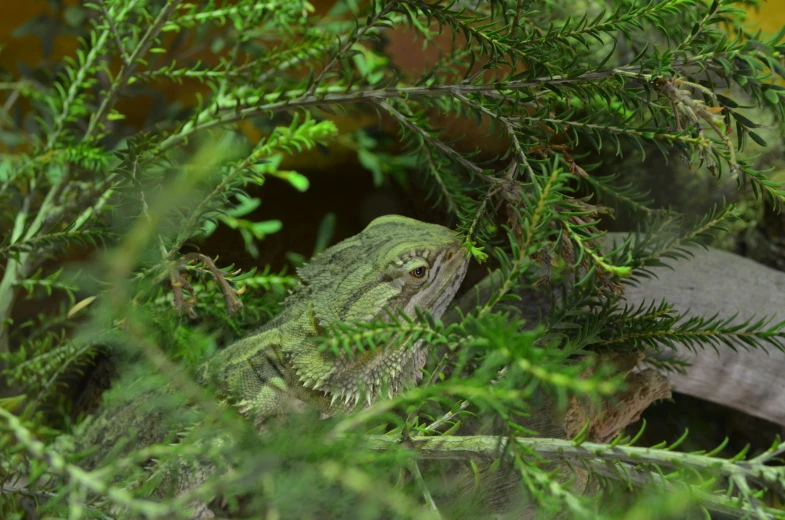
(452, 207)
(339, 55)
(517, 18)
(449, 416)
(115, 34)
(232, 110)
(770, 454)
(509, 126)
(415, 471)
(128, 69)
(710, 14)
(439, 145)
(641, 478)
(490, 447)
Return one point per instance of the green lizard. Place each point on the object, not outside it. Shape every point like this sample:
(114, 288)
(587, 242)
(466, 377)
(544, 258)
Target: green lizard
(395, 263)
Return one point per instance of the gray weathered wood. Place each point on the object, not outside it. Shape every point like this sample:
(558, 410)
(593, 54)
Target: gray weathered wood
(717, 282)
(711, 282)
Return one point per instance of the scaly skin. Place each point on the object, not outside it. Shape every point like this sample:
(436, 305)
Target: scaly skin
(395, 263)
(356, 280)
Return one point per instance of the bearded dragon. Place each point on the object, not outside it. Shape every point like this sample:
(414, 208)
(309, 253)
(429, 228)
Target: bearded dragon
(395, 264)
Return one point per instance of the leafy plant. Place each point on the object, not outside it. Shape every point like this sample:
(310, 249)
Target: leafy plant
(566, 85)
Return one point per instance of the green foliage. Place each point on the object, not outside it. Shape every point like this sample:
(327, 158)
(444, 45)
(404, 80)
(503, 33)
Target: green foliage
(563, 83)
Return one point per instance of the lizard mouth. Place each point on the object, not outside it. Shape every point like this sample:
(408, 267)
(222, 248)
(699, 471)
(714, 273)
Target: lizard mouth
(457, 264)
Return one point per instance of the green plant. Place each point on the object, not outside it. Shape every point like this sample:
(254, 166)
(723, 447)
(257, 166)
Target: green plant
(561, 83)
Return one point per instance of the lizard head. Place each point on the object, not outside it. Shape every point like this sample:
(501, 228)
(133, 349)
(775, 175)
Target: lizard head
(395, 264)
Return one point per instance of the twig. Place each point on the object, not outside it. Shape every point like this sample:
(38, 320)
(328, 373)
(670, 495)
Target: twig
(231, 110)
(145, 43)
(517, 18)
(232, 302)
(641, 478)
(770, 455)
(701, 25)
(339, 54)
(452, 207)
(446, 417)
(490, 447)
(446, 150)
(509, 126)
(115, 34)
(415, 471)
(464, 405)
(19, 268)
(749, 496)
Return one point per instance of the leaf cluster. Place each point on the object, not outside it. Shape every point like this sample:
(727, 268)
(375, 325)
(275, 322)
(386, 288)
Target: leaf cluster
(562, 85)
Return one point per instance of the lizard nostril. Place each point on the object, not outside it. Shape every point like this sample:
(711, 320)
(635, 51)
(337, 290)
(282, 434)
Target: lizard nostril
(449, 255)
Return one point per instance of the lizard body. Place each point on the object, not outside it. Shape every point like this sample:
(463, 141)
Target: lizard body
(395, 263)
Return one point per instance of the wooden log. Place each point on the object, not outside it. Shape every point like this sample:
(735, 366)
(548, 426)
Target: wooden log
(722, 283)
(711, 282)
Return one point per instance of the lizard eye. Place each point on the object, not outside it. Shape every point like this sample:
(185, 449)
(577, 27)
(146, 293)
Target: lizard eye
(419, 272)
